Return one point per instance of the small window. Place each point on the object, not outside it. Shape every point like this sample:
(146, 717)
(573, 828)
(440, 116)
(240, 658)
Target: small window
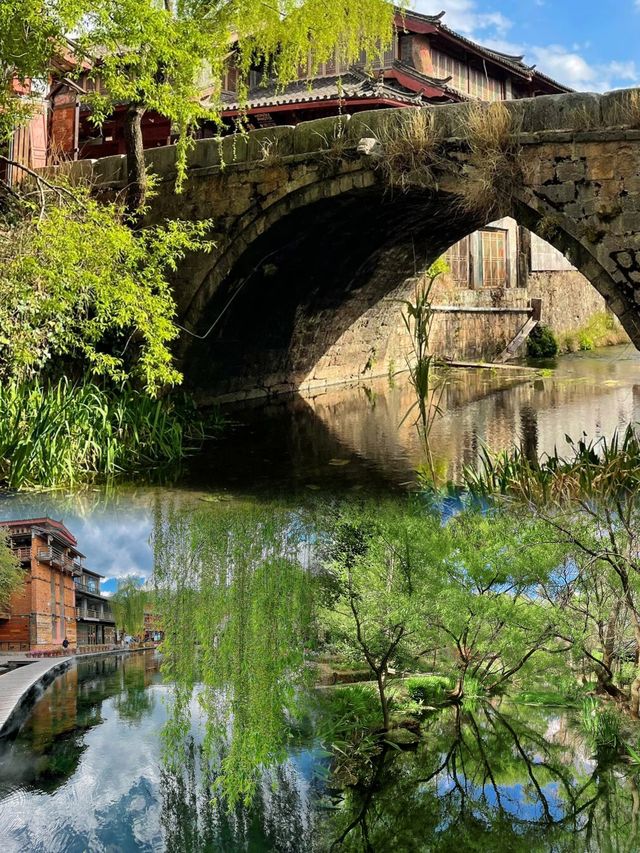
(458, 261)
(493, 249)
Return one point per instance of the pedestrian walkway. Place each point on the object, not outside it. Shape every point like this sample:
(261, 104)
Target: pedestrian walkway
(16, 685)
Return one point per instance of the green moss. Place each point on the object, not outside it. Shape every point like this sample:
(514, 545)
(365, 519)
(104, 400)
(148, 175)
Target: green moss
(601, 330)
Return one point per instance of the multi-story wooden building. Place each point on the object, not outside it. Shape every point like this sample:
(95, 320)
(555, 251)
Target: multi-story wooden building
(42, 613)
(426, 63)
(96, 625)
(59, 598)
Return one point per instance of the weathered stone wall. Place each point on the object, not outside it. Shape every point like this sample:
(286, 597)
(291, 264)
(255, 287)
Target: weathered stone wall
(568, 299)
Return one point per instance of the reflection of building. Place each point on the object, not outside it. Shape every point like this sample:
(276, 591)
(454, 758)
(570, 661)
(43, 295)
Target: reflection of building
(152, 625)
(93, 611)
(59, 597)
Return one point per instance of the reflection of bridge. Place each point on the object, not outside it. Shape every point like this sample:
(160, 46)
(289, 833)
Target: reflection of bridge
(309, 238)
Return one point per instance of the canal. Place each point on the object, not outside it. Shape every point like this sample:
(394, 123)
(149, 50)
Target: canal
(230, 754)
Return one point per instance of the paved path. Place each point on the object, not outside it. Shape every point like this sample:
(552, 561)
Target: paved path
(15, 685)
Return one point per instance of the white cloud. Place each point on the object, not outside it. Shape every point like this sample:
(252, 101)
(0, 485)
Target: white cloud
(464, 16)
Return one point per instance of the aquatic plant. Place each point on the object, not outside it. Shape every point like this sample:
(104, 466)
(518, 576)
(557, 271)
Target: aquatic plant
(63, 433)
(542, 343)
(602, 724)
(428, 382)
(431, 689)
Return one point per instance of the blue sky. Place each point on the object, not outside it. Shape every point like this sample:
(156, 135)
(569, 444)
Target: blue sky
(587, 45)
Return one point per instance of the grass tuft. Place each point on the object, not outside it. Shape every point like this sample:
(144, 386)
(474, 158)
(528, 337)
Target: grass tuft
(496, 166)
(411, 150)
(624, 110)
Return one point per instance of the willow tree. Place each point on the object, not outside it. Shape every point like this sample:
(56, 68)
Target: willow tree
(234, 599)
(162, 54)
(128, 604)
(11, 575)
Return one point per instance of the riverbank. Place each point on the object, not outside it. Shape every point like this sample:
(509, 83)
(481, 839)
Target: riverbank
(19, 687)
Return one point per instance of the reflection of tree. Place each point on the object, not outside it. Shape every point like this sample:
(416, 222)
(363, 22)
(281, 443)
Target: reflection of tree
(280, 814)
(235, 607)
(488, 781)
(134, 701)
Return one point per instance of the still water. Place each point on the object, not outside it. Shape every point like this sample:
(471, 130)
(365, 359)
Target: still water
(87, 772)
(96, 765)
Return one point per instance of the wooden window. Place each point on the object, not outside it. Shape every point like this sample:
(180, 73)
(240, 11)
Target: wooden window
(493, 249)
(458, 260)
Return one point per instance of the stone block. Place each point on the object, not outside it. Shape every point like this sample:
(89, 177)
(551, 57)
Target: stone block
(110, 170)
(616, 107)
(270, 143)
(234, 149)
(320, 134)
(574, 170)
(161, 161)
(204, 154)
(557, 112)
(559, 193)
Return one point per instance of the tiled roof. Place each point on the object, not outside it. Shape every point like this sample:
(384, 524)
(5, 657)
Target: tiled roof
(515, 63)
(355, 84)
(45, 523)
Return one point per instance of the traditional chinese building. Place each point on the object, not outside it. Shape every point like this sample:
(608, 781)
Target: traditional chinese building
(426, 63)
(59, 598)
(96, 625)
(42, 613)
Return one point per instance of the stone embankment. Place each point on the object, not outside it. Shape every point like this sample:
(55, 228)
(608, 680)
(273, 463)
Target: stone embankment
(19, 687)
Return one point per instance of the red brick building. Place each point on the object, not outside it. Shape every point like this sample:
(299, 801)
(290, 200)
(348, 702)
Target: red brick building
(42, 613)
(59, 598)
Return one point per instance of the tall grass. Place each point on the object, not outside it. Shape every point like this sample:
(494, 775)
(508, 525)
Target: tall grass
(411, 150)
(62, 433)
(497, 167)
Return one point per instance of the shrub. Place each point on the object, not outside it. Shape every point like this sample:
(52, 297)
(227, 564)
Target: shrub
(428, 688)
(602, 725)
(542, 343)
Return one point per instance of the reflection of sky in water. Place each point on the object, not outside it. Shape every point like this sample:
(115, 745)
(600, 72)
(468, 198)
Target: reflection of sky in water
(113, 800)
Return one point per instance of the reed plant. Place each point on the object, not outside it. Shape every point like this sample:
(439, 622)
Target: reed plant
(427, 381)
(62, 433)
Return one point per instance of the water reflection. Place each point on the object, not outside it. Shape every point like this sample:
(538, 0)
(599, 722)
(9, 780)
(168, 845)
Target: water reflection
(234, 597)
(491, 779)
(351, 438)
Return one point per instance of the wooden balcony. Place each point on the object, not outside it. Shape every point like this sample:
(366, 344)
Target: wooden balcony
(23, 553)
(57, 557)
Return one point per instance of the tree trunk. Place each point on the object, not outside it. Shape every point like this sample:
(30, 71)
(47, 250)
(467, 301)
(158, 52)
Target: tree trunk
(136, 173)
(384, 704)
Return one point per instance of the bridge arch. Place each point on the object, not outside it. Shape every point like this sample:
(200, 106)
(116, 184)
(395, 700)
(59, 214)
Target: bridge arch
(309, 240)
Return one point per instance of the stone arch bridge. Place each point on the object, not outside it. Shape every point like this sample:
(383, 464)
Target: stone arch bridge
(310, 237)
